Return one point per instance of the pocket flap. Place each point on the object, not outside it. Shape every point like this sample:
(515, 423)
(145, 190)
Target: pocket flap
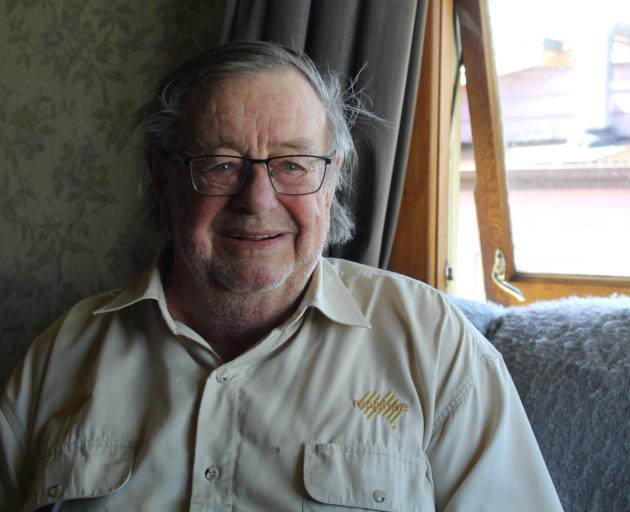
(366, 477)
(81, 469)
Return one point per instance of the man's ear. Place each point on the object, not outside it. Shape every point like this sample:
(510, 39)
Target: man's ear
(159, 179)
(337, 161)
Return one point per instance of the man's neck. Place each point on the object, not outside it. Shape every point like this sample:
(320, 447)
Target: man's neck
(231, 322)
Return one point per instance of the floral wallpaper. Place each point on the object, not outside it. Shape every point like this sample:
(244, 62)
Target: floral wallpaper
(71, 220)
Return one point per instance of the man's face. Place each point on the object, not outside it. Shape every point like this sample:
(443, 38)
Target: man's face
(259, 239)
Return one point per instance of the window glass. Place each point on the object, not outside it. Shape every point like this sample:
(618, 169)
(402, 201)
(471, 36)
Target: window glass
(564, 83)
(467, 269)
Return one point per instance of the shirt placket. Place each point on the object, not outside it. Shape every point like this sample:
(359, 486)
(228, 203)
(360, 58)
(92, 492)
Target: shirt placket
(217, 431)
(215, 442)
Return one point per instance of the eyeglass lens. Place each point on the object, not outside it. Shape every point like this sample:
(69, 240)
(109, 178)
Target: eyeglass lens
(224, 175)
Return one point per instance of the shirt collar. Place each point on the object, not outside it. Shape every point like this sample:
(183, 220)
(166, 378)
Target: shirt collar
(145, 286)
(326, 292)
(148, 286)
(329, 294)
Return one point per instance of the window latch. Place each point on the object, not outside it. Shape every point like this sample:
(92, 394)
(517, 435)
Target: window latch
(498, 276)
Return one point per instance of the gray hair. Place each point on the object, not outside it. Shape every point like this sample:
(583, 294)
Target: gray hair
(160, 117)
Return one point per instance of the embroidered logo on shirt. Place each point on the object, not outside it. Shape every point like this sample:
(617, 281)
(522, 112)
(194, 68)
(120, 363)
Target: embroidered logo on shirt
(388, 406)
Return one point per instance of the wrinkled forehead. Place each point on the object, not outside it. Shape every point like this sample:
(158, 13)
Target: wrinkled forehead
(255, 111)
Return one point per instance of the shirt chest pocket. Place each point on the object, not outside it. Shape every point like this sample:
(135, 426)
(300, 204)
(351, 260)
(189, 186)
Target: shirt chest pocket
(338, 478)
(81, 473)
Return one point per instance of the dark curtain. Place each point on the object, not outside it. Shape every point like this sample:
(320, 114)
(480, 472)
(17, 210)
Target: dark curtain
(384, 37)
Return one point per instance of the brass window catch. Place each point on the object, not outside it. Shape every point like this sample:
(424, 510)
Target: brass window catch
(498, 276)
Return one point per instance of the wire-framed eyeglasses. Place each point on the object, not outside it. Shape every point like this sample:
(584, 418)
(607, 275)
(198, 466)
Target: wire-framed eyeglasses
(226, 175)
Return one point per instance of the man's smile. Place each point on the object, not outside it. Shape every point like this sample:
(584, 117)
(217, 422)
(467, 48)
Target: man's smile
(254, 240)
(253, 237)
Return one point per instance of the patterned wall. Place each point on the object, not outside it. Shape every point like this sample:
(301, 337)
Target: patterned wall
(72, 74)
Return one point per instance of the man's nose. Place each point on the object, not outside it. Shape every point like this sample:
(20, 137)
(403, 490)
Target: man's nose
(258, 193)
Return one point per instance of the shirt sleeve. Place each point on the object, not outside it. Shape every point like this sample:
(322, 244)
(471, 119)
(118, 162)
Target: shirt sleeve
(18, 399)
(10, 459)
(483, 453)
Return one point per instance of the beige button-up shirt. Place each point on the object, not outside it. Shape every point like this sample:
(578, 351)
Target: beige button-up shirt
(375, 395)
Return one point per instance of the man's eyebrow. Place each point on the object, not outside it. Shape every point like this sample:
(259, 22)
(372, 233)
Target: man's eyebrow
(301, 144)
(297, 145)
(213, 145)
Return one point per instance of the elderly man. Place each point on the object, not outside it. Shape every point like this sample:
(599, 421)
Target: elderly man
(246, 372)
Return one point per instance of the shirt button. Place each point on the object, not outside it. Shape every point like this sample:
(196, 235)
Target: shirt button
(222, 376)
(379, 496)
(212, 473)
(54, 491)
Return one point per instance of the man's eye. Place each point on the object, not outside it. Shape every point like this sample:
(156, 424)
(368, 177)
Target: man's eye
(223, 167)
(290, 166)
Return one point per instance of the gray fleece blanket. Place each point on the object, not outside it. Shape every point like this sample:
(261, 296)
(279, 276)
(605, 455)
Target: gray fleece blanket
(570, 361)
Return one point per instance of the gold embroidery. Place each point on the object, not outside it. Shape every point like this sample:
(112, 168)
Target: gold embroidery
(388, 406)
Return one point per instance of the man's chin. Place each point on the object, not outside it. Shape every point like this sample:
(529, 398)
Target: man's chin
(250, 285)
(249, 280)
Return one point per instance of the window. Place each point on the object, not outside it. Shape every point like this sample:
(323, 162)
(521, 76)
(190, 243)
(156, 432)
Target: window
(553, 201)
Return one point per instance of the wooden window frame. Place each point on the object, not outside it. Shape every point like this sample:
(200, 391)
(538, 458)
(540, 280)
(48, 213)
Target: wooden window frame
(421, 245)
(421, 242)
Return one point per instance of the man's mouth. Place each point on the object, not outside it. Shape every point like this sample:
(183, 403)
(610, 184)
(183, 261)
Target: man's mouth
(254, 238)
